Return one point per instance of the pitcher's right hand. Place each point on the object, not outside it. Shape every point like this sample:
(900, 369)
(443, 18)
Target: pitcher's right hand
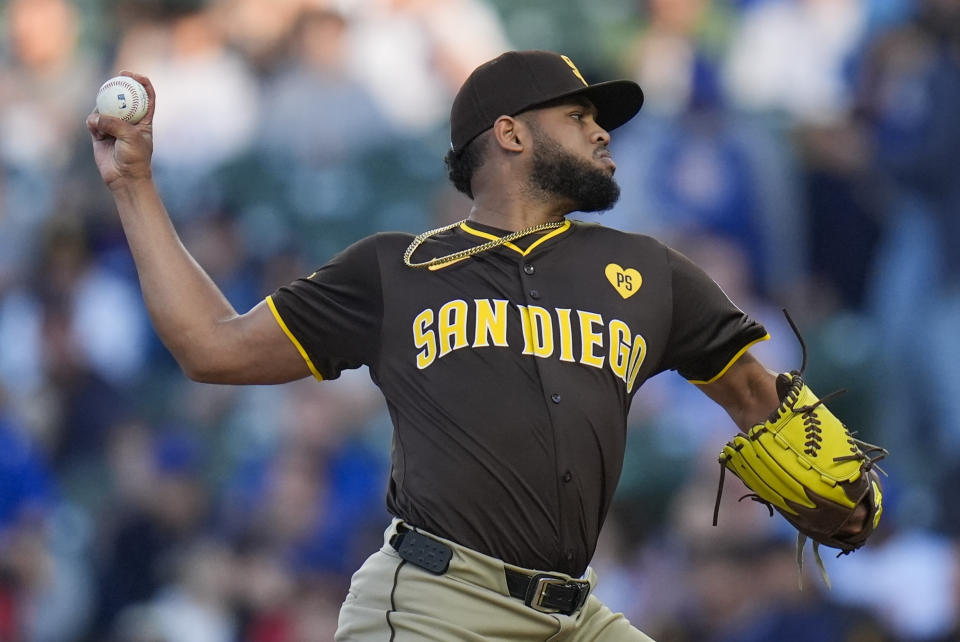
(122, 151)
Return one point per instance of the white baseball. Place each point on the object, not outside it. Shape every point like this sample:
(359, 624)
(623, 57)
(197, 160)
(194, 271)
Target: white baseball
(124, 98)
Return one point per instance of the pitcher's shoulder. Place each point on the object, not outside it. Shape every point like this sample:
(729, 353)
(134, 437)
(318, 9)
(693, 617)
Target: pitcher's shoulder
(597, 232)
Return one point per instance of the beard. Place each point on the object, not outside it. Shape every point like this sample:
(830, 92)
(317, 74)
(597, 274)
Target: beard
(559, 174)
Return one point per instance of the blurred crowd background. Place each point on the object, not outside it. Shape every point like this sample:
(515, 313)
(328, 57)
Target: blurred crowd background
(802, 151)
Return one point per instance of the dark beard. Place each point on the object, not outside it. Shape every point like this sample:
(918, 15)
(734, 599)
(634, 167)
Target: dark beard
(558, 173)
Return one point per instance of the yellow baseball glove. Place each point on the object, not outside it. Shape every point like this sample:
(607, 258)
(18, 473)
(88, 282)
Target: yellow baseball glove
(803, 462)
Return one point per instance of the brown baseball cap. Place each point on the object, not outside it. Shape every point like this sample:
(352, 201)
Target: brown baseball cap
(519, 80)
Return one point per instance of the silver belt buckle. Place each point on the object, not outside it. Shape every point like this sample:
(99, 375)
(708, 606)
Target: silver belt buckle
(539, 589)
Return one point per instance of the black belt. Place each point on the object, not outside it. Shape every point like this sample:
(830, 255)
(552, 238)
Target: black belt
(541, 591)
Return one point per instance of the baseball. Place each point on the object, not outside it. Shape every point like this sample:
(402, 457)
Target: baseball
(124, 98)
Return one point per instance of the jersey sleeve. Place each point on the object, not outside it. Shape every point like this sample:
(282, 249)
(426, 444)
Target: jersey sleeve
(333, 315)
(708, 332)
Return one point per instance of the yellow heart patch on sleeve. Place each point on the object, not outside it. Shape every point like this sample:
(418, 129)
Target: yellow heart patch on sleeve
(625, 282)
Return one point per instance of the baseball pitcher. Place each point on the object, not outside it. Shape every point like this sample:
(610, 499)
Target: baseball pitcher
(508, 347)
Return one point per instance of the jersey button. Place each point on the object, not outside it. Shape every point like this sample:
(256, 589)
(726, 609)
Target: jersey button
(567, 477)
(528, 268)
(534, 294)
(555, 397)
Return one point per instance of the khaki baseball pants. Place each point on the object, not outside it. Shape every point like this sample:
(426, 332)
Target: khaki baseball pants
(393, 600)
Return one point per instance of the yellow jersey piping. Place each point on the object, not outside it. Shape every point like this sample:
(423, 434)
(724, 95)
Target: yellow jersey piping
(293, 339)
(563, 228)
(731, 362)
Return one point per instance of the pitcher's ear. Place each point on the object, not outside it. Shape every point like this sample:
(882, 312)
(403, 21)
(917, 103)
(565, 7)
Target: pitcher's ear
(510, 133)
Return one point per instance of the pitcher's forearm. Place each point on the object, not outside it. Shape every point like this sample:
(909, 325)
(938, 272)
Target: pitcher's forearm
(184, 303)
(203, 332)
(747, 391)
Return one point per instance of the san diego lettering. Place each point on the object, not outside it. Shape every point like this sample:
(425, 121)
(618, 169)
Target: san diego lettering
(546, 334)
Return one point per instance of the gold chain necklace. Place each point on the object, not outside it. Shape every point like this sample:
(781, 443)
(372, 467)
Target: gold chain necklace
(467, 253)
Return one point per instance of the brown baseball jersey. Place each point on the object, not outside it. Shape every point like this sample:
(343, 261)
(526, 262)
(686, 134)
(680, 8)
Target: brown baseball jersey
(509, 375)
